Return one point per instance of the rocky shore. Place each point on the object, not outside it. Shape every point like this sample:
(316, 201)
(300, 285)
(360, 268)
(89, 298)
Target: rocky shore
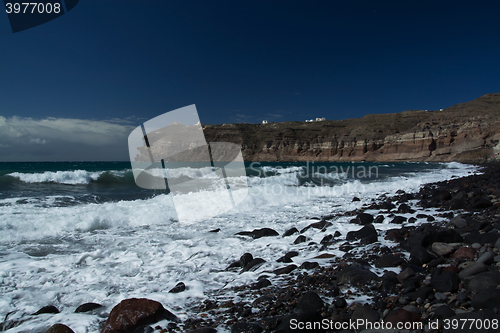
(437, 267)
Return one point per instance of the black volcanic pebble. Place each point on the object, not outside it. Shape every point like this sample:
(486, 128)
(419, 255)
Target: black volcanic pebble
(179, 287)
(284, 259)
(447, 236)
(446, 281)
(404, 209)
(476, 237)
(334, 291)
(487, 299)
(309, 265)
(405, 274)
(419, 256)
(379, 219)
(258, 233)
(389, 281)
(368, 232)
(357, 276)
(340, 302)
(364, 218)
(87, 307)
(387, 205)
(483, 281)
(328, 239)
(388, 260)
(323, 224)
(462, 297)
(253, 265)
(242, 327)
(287, 257)
(309, 301)
(444, 312)
(398, 219)
(290, 232)
(262, 283)
(245, 259)
(356, 199)
(300, 239)
(47, 309)
(215, 230)
(436, 262)
(346, 247)
(479, 203)
(285, 270)
(233, 265)
(423, 292)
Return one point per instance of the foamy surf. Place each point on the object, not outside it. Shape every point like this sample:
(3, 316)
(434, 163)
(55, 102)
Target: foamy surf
(105, 252)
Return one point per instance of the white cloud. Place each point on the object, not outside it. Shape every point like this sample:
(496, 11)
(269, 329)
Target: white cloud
(38, 141)
(63, 139)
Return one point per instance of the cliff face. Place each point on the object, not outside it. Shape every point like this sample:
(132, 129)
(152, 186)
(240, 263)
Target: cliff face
(467, 132)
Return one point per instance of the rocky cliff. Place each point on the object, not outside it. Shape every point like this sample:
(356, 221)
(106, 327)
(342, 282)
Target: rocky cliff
(467, 132)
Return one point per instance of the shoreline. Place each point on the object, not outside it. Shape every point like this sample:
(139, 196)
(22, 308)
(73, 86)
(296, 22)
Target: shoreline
(442, 269)
(334, 288)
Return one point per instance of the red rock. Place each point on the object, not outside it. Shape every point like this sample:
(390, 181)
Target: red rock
(464, 252)
(402, 316)
(134, 312)
(452, 269)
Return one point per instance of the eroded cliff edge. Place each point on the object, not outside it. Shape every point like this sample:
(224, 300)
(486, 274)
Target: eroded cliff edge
(466, 132)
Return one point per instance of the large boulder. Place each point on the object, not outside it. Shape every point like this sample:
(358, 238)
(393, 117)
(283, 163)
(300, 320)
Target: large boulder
(134, 312)
(356, 276)
(258, 233)
(363, 218)
(487, 299)
(367, 234)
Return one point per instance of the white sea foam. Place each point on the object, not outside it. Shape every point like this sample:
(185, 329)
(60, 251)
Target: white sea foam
(63, 177)
(104, 253)
(279, 170)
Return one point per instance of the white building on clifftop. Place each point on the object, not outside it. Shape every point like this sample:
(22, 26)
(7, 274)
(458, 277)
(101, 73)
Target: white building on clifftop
(317, 119)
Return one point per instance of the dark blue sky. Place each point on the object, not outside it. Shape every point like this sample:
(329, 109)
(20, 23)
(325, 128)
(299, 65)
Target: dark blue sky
(244, 61)
(251, 60)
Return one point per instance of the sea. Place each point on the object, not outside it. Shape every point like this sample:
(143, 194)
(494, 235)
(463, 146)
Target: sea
(79, 232)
